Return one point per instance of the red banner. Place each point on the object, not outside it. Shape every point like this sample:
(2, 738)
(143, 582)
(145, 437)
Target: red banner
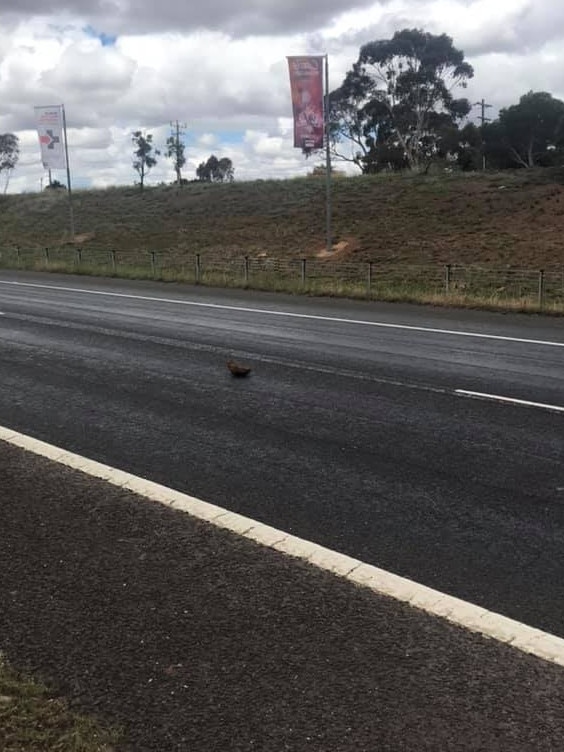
(306, 83)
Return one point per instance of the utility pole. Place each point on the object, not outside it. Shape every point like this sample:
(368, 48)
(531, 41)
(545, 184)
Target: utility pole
(177, 130)
(328, 169)
(483, 119)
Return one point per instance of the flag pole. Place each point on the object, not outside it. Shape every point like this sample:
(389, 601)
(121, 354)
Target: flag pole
(328, 206)
(69, 187)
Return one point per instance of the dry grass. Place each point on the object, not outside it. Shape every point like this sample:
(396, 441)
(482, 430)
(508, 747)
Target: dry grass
(493, 225)
(515, 218)
(32, 720)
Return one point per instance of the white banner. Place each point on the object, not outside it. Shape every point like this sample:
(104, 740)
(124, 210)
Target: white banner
(50, 130)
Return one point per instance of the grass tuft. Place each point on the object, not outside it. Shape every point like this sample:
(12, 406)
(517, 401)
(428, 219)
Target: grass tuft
(33, 720)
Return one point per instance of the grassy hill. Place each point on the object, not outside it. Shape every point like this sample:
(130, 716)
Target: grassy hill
(512, 218)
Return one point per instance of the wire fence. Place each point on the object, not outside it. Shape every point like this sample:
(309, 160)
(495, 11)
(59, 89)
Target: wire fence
(538, 287)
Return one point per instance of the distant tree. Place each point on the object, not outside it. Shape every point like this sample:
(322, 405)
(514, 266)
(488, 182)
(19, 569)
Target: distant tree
(144, 155)
(56, 185)
(460, 147)
(320, 171)
(9, 155)
(216, 170)
(175, 151)
(395, 101)
(528, 134)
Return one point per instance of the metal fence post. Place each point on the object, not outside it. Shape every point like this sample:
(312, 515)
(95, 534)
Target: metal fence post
(448, 268)
(153, 264)
(198, 268)
(541, 288)
(369, 278)
(19, 255)
(113, 260)
(303, 265)
(46, 254)
(78, 257)
(246, 270)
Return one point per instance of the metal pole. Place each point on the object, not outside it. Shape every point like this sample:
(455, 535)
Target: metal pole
(69, 188)
(448, 267)
(483, 119)
(328, 160)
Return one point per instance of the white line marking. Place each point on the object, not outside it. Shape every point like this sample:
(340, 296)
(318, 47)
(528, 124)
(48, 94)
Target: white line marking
(511, 400)
(288, 314)
(521, 636)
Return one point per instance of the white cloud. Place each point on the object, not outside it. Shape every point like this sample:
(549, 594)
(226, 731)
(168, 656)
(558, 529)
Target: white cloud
(232, 91)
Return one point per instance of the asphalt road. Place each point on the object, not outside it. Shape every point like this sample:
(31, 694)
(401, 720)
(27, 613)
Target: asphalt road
(190, 638)
(348, 432)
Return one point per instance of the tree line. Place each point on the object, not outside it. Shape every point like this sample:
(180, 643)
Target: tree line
(213, 170)
(399, 108)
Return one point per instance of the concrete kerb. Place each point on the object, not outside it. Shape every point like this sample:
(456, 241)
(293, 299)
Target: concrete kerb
(462, 613)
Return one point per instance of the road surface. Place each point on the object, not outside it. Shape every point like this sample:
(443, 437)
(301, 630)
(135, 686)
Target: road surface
(354, 430)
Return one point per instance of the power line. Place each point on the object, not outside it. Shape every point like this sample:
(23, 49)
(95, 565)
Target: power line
(483, 105)
(178, 129)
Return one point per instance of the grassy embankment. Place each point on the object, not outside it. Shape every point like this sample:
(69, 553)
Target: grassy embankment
(393, 235)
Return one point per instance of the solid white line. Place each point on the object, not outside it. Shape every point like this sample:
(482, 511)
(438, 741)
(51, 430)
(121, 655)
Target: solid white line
(511, 400)
(288, 314)
(521, 636)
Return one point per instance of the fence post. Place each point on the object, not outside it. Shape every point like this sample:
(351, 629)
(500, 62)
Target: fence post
(46, 253)
(198, 268)
(113, 261)
(153, 264)
(303, 266)
(246, 270)
(78, 257)
(19, 255)
(448, 268)
(369, 278)
(541, 288)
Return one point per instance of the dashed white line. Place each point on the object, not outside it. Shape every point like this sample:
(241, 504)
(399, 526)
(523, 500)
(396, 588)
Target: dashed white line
(510, 400)
(462, 613)
(288, 314)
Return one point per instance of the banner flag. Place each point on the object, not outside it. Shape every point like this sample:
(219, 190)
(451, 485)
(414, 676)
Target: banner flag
(306, 83)
(50, 130)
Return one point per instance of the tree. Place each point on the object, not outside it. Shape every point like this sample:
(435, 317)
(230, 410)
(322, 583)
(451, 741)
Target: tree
(320, 171)
(175, 151)
(143, 159)
(460, 147)
(56, 185)
(9, 155)
(216, 170)
(527, 134)
(396, 100)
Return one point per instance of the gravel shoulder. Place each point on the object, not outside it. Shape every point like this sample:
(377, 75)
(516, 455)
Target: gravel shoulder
(191, 638)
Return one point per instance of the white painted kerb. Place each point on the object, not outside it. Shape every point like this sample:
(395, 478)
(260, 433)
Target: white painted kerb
(472, 617)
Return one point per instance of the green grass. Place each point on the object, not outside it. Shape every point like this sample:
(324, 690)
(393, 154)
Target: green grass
(485, 222)
(33, 720)
(402, 284)
(513, 217)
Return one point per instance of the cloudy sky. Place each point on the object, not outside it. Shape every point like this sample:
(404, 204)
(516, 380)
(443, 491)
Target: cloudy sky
(219, 67)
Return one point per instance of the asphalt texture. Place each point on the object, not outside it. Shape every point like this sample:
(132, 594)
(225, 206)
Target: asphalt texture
(346, 434)
(193, 639)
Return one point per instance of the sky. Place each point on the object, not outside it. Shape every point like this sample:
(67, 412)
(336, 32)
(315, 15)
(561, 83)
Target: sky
(219, 68)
